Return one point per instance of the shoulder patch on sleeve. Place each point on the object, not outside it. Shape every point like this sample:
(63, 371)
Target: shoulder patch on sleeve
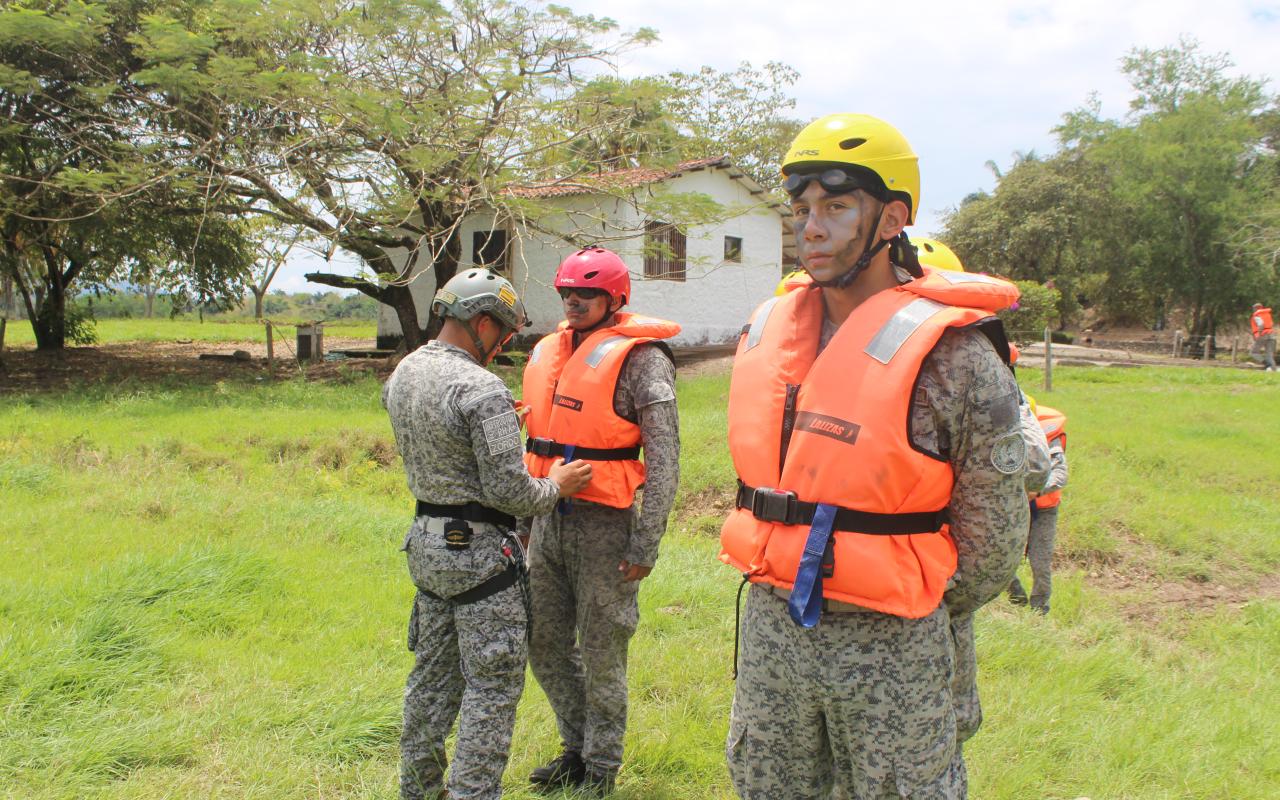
(502, 432)
(1008, 454)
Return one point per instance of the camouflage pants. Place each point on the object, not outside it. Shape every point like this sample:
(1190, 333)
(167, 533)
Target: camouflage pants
(583, 617)
(1044, 530)
(469, 665)
(964, 686)
(1267, 346)
(857, 708)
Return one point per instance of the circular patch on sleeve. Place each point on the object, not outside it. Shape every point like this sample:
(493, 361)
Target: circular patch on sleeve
(1008, 454)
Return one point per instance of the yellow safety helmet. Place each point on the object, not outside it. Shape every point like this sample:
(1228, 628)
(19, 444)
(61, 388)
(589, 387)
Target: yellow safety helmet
(867, 148)
(794, 279)
(935, 254)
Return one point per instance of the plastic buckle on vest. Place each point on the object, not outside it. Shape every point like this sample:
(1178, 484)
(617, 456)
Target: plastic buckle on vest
(541, 447)
(774, 505)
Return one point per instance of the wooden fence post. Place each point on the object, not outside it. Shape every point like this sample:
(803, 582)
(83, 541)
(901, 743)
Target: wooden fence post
(1233, 349)
(271, 350)
(1177, 343)
(1048, 360)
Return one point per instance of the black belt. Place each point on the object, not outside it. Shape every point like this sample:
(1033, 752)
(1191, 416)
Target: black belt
(778, 505)
(549, 448)
(503, 580)
(471, 512)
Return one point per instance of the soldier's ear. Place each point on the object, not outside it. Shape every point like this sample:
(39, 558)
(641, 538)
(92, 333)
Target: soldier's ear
(894, 219)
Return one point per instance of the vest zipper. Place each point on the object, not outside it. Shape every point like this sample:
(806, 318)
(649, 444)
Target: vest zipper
(788, 423)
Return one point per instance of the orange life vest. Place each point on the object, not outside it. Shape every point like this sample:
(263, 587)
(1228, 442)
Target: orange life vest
(570, 398)
(1266, 327)
(834, 429)
(1054, 424)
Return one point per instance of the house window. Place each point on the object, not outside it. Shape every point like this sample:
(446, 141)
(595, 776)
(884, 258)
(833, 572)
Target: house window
(664, 251)
(489, 249)
(733, 249)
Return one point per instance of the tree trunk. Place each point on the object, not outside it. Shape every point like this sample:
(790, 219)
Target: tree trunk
(401, 301)
(258, 295)
(8, 300)
(50, 322)
(150, 293)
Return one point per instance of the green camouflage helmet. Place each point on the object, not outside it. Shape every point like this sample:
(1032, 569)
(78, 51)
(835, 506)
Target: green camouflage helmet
(479, 291)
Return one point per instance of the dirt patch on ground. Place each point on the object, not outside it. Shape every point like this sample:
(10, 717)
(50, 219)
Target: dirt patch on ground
(1148, 597)
(710, 502)
(27, 371)
(705, 360)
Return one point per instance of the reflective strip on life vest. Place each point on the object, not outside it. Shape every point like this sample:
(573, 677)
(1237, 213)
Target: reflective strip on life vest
(601, 350)
(890, 338)
(536, 353)
(757, 325)
(965, 277)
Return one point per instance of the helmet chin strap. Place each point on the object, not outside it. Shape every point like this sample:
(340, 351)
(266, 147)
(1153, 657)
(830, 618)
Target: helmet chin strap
(868, 252)
(486, 354)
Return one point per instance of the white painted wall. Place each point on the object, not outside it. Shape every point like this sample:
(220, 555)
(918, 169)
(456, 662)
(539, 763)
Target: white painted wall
(712, 303)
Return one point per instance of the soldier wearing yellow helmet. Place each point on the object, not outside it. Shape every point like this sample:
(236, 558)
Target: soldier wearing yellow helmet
(864, 538)
(936, 255)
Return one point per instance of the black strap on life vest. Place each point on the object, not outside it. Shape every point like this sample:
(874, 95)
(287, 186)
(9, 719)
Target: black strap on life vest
(781, 506)
(471, 512)
(550, 448)
(503, 580)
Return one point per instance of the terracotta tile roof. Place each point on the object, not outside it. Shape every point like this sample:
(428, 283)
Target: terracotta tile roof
(620, 179)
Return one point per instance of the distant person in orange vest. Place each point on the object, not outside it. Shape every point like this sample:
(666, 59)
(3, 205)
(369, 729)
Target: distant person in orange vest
(599, 389)
(1044, 515)
(874, 428)
(1264, 335)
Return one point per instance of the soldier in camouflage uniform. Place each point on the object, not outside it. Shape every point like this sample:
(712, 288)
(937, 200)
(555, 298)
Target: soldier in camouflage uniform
(457, 431)
(1043, 532)
(861, 705)
(586, 560)
(964, 687)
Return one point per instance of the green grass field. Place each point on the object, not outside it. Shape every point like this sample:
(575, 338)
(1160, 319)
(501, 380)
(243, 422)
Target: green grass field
(188, 328)
(201, 596)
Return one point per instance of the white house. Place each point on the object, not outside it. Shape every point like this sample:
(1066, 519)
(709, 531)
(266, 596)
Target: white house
(707, 277)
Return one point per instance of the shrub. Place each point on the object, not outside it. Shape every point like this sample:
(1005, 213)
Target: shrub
(1033, 313)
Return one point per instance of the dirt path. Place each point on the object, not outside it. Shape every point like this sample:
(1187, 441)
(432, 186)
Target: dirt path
(27, 371)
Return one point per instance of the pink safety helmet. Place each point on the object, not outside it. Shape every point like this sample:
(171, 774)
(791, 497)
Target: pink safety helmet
(595, 268)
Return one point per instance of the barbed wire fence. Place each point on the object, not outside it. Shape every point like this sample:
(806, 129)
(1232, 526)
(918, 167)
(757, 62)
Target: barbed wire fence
(1175, 346)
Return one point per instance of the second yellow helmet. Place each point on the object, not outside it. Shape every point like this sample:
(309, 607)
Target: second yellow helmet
(935, 254)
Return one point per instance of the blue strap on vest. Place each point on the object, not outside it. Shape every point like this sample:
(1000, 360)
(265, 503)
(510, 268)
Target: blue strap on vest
(563, 505)
(805, 603)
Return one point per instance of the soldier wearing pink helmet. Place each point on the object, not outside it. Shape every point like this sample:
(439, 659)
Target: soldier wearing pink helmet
(601, 388)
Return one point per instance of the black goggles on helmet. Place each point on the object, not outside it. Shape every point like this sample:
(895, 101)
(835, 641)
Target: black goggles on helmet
(833, 180)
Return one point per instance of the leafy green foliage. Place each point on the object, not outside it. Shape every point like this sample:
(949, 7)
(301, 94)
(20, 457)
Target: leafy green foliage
(89, 197)
(1174, 207)
(1037, 308)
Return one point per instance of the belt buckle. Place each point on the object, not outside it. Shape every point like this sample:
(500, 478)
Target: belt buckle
(774, 505)
(540, 446)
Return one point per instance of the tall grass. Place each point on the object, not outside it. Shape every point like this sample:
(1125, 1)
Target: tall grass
(201, 594)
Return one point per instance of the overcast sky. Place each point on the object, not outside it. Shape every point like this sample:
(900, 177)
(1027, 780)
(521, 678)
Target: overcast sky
(964, 82)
